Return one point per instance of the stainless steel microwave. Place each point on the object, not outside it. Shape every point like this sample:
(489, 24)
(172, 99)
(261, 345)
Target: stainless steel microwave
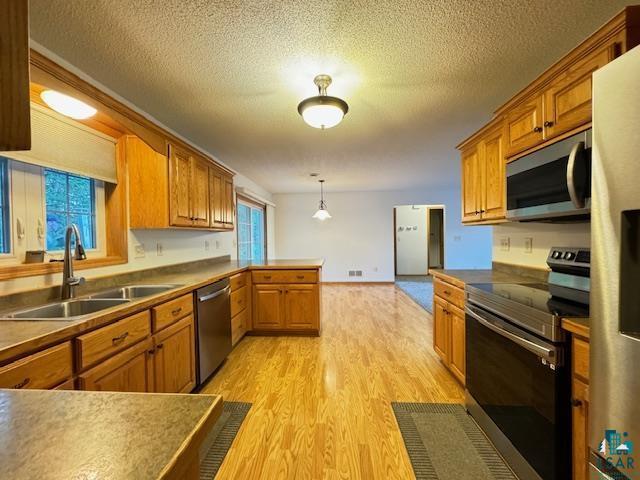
(552, 184)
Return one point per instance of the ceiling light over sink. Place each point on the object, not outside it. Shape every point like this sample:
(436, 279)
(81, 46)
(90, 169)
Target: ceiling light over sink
(322, 213)
(323, 111)
(66, 105)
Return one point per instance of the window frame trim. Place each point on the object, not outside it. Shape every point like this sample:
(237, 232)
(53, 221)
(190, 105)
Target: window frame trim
(254, 204)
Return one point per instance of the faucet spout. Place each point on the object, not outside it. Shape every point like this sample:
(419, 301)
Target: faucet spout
(69, 282)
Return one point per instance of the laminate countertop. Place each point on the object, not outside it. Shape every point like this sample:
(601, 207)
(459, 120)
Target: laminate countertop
(66, 435)
(460, 278)
(19, 337)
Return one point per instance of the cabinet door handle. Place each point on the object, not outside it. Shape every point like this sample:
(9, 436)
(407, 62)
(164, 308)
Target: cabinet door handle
(548, 124)
(537, 129)
(576, 402)
(267, 277)
(159, 347)
(447, 292)
(152, 351)
(23, 383)
(119, 338)
(176, 311)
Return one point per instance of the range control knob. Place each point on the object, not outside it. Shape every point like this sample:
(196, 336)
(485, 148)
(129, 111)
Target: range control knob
(569, 255)
(556, 254)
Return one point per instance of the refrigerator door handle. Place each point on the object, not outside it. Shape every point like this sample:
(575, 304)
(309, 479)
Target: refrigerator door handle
(577, 153)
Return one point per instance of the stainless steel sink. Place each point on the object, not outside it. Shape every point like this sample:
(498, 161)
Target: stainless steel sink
(134, 291)
(66, 310)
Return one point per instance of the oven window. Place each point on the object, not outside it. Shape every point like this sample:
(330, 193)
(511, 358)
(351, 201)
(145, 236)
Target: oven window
(523, 397)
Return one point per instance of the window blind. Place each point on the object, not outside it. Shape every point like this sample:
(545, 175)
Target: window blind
(63, 144)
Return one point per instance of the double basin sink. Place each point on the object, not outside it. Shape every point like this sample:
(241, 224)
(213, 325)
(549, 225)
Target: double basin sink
(75, 308)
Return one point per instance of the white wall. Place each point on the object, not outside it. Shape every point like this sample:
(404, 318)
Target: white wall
(411, 240)
(544, 235)
(360, 234)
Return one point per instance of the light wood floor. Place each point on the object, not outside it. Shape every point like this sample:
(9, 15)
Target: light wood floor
(321, 406)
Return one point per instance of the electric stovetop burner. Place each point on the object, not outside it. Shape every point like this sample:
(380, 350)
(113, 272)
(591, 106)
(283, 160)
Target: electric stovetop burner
(536, 296)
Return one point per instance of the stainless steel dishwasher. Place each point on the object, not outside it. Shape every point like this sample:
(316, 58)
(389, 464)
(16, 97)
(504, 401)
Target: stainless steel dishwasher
(213, 327)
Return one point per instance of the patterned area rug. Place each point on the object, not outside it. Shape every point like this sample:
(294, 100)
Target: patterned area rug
(443, 442)
(419, 288)
(217, 444)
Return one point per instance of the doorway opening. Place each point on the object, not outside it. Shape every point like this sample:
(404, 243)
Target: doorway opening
(418, 246)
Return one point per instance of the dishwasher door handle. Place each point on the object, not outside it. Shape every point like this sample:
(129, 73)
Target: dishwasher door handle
(214, 295)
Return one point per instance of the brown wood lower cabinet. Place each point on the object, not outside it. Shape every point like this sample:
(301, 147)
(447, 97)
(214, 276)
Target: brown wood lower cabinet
(268, 311)
(174, 357)
(44, 369)
(301, 307)
(449, 334)
(580, 405)
(128, 371)
(286, 307)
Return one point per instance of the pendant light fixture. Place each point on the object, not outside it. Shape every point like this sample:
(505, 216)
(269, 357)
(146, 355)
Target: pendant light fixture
(322, 213)
(323, 111)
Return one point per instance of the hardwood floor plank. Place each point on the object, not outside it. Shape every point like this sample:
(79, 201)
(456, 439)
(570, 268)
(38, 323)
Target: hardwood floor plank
(322, 405)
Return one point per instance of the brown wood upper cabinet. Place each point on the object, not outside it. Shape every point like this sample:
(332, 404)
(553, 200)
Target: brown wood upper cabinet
(524, 125)
(553, 106)
(484, 179)
(182, 189)
(221, 199)
(15, 113)
(567, 100)
(188, 189)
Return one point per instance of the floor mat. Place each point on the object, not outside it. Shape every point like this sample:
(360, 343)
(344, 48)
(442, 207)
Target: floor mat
(419, 288)
(218, 442)
(443, 442)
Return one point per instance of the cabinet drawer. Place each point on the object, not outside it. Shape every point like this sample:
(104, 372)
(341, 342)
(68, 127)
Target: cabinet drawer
(581, 358)
(238, 326)
(449, 293)
(44, 369)
(238, 301)
(238, 281)
(107, 341)
(285, 276)
(169, 312)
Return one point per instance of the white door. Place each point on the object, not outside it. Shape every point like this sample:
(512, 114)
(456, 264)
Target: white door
(411, 240)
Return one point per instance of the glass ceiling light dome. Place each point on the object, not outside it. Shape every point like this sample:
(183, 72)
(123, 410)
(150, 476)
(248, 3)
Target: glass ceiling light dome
(323, 111)
(66, 105)
(322, 213)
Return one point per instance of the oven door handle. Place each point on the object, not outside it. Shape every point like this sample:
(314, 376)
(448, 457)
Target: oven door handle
(576, 153)
(544, 352)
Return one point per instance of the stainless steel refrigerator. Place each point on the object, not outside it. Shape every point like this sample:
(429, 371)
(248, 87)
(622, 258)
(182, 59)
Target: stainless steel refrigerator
(614, 390)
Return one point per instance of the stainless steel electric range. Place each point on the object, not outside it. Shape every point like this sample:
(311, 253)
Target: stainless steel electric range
(517, 364)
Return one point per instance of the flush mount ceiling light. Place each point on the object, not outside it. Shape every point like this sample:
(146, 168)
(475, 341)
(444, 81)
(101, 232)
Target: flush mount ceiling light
(67, 105)
(323, 111)
(322, 213)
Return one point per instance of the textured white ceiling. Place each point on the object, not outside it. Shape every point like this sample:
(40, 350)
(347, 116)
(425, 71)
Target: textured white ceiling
(419, 76)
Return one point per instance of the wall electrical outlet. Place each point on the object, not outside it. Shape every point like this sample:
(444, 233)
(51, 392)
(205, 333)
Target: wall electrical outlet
(207, 245)
(159, 249)
(528, 245)
(218, 244)
(139, 251)
(505, 244)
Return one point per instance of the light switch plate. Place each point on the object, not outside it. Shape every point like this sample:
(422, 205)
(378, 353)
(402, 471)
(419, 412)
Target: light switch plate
(528, 245)
(505, 244)
(159, 249)
(139, 251)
